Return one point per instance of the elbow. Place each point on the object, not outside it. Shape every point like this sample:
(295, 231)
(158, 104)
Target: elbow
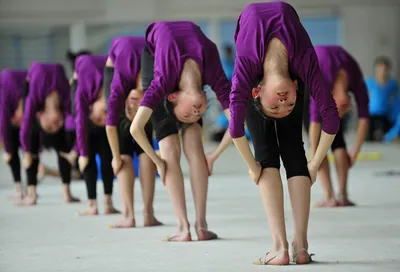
(135, 130)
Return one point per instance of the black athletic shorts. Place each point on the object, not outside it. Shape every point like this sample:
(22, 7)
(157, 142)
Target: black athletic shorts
(127, 145)
(279, 138)
(339, 141)
(164, 124)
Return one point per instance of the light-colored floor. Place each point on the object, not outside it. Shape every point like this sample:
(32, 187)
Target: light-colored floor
(50, 237)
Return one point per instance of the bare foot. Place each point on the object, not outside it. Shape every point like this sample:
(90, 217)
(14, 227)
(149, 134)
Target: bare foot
(330, 203)
(179, 237)
(151, 221)
(124, 223)
(109, 209)
(345, 203)
(90, 211)
(70, 199)
(301, 256)
(274, 258)
(28, 201)
(204, 234)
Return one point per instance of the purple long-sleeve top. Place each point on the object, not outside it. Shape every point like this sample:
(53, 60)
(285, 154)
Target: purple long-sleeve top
(44, 78)
(257, 25)
(125, 53)
(172, 43)
(12, 84)
(331, 59)
(90, 80)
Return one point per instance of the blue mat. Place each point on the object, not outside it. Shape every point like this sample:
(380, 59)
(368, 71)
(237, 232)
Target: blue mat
(135, 162)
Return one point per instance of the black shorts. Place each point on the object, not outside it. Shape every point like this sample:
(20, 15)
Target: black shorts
(164, 124)
(127, 145)
(339, 141)
(279, 138)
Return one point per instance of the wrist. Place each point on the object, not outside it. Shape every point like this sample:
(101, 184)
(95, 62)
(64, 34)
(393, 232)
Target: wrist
(313, 165)
(116, 156)
(158, 160)
(213, 156)
(356, 150)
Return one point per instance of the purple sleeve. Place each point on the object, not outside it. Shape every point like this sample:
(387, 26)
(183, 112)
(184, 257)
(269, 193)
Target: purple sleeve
(314, 116)
(361, 96)
(319, 91)
(75, 147)
(115, 102)
(166, 75)
(5, 117)
(244, 79)
(217, 79)
(81, 119)
(31, 108)
(69, 122)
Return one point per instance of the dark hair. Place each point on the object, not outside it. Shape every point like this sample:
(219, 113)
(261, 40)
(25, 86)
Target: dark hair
(228, 50)
(71, 56)
(384, 61)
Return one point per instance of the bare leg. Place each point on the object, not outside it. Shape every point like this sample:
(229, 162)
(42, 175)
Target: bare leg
(272, 195)
(170, 150)
(299, 190)
(324, 176)
(194, 152)
(147, 176)
(31, 174)
(126, 179)
(18, 190)
(75, 174)
(46, 171)
(19, 194)
(342, 169)
(68, 197)
(109, 205)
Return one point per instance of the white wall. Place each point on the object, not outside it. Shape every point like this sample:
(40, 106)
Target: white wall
(371, 31)
(370, 28)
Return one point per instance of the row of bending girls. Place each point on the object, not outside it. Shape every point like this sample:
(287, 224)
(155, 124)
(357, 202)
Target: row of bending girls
(157, 82)
(275, 61)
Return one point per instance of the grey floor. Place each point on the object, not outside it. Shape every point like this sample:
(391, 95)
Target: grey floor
(50, 237)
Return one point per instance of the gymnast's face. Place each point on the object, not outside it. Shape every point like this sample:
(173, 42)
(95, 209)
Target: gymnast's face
(17, 117)
(189, 106)
(98, 111)
(342, 99)
(51, 119)
(277, 100)
(132, 103)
